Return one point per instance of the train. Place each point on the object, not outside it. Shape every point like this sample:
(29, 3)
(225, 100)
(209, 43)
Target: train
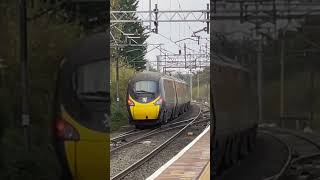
(234, 110)
(81, 110)
(154, 98)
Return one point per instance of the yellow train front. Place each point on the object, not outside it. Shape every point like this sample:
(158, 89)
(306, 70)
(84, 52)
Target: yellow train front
(154, 98)
(81, 132)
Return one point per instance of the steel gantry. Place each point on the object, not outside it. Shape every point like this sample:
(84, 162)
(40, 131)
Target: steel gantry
(186, 61)
(157, 16)
(280, 9)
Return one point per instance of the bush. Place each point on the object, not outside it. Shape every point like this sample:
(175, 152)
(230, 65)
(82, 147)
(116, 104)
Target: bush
(120, 117)
(49, 38)
(38, 163)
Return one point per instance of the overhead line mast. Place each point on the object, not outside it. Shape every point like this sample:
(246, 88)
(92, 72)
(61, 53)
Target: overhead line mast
(259, 13)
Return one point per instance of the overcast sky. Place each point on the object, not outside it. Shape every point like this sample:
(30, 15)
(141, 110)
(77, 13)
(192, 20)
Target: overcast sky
(169, 32)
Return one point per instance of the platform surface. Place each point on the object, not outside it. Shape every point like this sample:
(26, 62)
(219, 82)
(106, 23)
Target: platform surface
(193, 162)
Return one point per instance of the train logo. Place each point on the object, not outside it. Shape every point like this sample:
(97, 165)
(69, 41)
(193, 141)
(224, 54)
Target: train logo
(144, 99)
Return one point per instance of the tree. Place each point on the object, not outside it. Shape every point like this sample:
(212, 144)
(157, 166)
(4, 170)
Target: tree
(133, 55)
(49, 37)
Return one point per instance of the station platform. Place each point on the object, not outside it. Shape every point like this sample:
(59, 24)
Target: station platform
(192, 162)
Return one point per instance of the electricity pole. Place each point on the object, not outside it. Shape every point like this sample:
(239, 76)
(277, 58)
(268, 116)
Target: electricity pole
(147, 64)
(260, 79)
(158, 65)
(117, 82)
(282, 83)
(198, 86)
(191, 84)
(25, 118)
(185, 55)
(150, 16)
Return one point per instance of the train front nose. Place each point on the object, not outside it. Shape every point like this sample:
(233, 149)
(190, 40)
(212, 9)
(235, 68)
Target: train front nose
(144, 111)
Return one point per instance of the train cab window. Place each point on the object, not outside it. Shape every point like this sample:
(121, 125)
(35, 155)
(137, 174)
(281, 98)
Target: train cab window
(144, 91)
(145, 87)
(91, 81)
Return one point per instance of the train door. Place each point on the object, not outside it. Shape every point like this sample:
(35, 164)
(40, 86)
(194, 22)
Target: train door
(169, 97)
(175, 109)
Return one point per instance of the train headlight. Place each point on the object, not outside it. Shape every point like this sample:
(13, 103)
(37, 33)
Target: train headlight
(159, 102)
(130, 103)
(66, 131)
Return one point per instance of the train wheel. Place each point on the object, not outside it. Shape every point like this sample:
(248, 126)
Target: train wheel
(218, 158)
(139, 127)
(227, 154)
(243, 145)
(164, 118)
(235, 150)
(216, 163)
(251, 140)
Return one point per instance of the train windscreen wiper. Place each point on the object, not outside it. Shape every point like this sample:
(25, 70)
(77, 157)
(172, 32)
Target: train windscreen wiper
(142, 91)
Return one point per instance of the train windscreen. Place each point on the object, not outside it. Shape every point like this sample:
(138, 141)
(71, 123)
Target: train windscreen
(92, 80)
(145, 87)
(145, 91)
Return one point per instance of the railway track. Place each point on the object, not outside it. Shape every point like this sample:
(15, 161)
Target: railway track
(133, 136)
(303, 160)
(136, 132)
(180, 125)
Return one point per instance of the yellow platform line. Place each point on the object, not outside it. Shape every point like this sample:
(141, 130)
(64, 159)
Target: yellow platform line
(205, 175)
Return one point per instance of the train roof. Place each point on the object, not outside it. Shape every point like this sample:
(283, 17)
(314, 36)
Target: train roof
(94, 47)
(90, 49)
(153, 76)
(225, 61)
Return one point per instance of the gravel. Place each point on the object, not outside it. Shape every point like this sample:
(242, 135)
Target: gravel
(130, 127)
(125, 157)
(165, 155)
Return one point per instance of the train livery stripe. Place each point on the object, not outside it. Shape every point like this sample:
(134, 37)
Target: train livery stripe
(176, 157)
(85, 133)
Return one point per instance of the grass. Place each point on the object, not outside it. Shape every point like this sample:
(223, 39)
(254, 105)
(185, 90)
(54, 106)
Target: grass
(203, 91)
(119, 118)
(296, 98)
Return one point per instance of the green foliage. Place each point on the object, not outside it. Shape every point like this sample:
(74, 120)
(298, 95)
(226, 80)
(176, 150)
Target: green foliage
(204, 84)
(132, 55)
(119, 117)
(203, 91)
(38, 163)
(297, 98)
(49, 37)
(300, 60)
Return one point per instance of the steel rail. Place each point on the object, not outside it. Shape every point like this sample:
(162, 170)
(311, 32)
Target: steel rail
(154, 152)
(290, 160)
(123, 134)
(306, 157)
(134, 131)
(152, 134)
